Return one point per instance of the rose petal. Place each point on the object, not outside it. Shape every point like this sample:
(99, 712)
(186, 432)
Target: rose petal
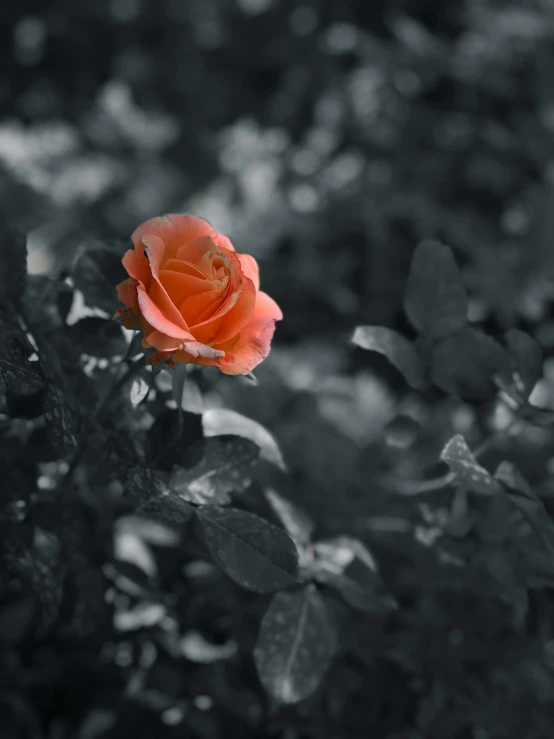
(195, 306)
(127, 292)
(216, 264)
(163, 343)
(250, 268)
(140, 264)
(187, 358)
(162, 300)
(223, 242)
(146, 327)
(137, 266)
(195, 251)
(228, 325)
(155, 249)
(197, 349)
(187, 268)
(156, 318)
(179, 285)
(239, 285)
(252, 347)
(266, 307)
(174, 230)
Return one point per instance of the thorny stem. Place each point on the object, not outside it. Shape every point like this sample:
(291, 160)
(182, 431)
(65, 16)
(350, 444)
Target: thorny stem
(405, 487)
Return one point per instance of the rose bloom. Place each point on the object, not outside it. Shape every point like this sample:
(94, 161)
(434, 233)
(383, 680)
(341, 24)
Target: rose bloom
(194, 298)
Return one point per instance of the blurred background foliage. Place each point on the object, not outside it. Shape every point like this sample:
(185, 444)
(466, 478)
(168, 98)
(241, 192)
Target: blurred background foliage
(327, 139)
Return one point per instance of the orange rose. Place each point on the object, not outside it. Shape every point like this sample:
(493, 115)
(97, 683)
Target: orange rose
(194, 298)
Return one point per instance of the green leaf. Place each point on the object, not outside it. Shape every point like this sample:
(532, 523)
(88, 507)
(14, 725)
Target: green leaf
(221, 422)
(536, 416)
(436, 298)
(13, 266)
(468, 472)
(21, 376)
(256, 554)
(338, 553)
(527, 356)
(46, 302)
(152, 494)
(398, 350)
(346, 565)
(466, 365)
(96, 273)
(62, 420)
(537, 546)
(296, 644)
(531, 506)
(295, 521)
(226, 466)
(509, 475)
(364, 592)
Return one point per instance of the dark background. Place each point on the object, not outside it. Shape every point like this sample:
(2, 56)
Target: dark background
(326, 139)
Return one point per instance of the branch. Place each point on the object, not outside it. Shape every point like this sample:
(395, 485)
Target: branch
(406, 487)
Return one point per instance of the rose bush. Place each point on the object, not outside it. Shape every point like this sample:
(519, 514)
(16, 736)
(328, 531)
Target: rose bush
(194, 298)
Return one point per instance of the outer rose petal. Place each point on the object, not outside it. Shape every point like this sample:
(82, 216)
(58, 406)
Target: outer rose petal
(127, 292)
(251, 348)
(165, 344)
(155, 249)
(158, 295)
(266, 307)
(161, 342)
(154, 316)
(250, 268)
(198, 349)
(175, 230)
(188, 358)
(223, 242)
(137, 267)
